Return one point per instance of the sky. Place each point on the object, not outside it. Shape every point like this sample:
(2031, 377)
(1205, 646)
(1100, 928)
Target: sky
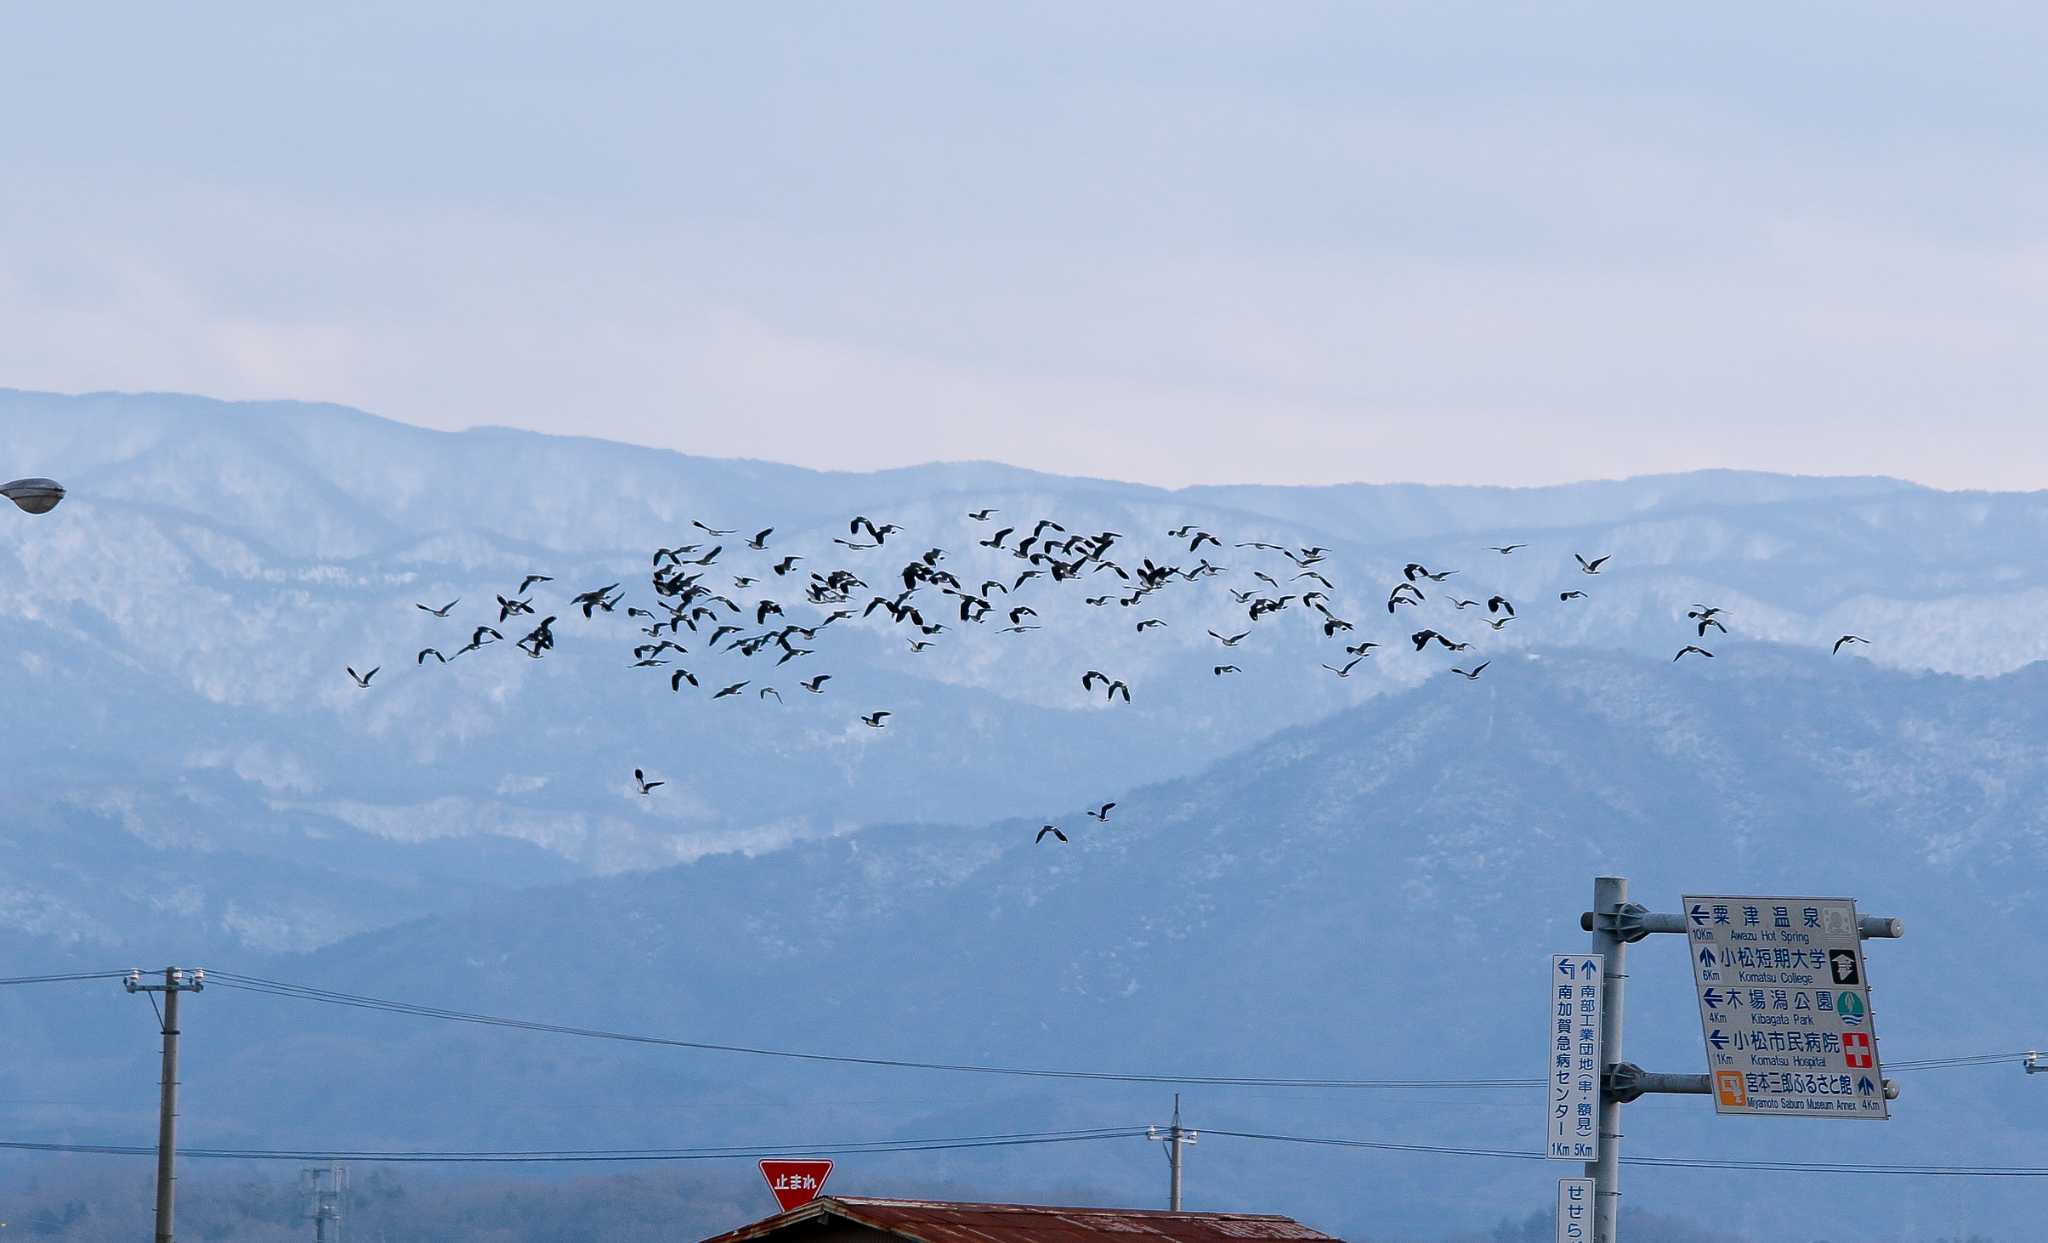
(1173, 243)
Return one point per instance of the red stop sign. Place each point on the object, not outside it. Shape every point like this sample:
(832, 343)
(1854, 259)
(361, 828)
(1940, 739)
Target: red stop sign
(795, 1183)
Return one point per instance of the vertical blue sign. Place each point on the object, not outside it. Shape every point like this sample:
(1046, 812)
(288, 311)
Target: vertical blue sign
(1572, 1091)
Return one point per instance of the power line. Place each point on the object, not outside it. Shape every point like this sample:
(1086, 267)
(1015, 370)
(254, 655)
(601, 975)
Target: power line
(55, 979)
(300, 992)
(303, 992)
(589, 1155)
(1690, 1163)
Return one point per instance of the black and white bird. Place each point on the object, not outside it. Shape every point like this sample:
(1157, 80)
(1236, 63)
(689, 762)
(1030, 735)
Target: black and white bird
(1349, 665)
(1111, 685)
(640, 779)
(1472, 674)
(734, 689)
(363, 679)
(1052, 829)
(1689, 648)
(1593, 566)
(876, 720)
(816, 686)
(1505, 549)
(1571, 595)
(1220, 670)
(1845, 639)
(530, 580)
(442, 611)
(1101, 813)
(425, 652)
(760, 539)
(1229, 640)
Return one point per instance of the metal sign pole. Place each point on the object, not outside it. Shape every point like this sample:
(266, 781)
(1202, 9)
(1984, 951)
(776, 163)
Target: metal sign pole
(1610, 894)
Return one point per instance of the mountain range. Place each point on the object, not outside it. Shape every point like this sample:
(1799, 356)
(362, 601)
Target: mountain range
(1304, 877)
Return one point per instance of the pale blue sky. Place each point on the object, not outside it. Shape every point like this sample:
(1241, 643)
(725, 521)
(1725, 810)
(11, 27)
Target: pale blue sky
(1175, 242)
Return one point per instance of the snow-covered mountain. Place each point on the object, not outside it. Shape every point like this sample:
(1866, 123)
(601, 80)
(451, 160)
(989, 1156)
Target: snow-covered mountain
(1369, 896)
(181, 623)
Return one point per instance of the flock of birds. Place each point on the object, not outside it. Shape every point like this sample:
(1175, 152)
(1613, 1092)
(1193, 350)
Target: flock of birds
(704, 601)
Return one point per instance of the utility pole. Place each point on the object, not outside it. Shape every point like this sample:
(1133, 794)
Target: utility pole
(327, 1184)
(1176, 1137)
(175, 981)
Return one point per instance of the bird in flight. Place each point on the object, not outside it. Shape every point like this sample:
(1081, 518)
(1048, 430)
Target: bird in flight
(1150, 622)
(785, 565)
(1590, 567)
(760, 539)
(640, 779)
(1498, 623)
(879, 534)
(1505, 549)
(1102, 813)
(1690, 648)
(1220, 670)
(1229, 640)
(1048, 829)
(982, 515)
(530, 580)
(1847, 638)
(442, 611)
(1112, 685)
(734, 689)
(1472, 674)
(876, 720)
(425, 652)
(769, 690)
(918, 645)
(708, 530)
(680, 676)
(1499, 604)
(1349, 665)
(511, 608)
(816, 686)
(1571, 595)
(363, 679)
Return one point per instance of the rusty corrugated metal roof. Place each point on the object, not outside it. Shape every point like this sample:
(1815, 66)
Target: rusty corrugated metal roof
(941, 1221)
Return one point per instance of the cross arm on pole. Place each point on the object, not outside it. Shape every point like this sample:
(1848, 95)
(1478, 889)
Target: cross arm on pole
(1626, 1082)
(1633, 922)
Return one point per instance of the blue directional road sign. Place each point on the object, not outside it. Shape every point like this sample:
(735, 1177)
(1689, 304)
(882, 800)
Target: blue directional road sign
(1785, 1007)
(1572, 1098)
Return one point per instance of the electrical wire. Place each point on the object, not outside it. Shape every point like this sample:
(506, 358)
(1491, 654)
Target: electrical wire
(55, 979)
(604, 1155)
(301, 992)
(1688, 1163)
(278, 988)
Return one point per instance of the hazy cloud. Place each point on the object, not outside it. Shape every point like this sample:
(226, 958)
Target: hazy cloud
(1167, 243)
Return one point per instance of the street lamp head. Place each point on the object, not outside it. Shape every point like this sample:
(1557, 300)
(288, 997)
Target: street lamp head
(35, 496)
